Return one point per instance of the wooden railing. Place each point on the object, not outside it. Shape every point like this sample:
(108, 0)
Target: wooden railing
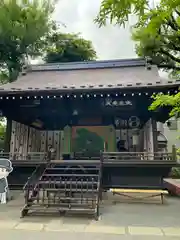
(86, 156)
(41, 157)
(30, 157)
(137, 156)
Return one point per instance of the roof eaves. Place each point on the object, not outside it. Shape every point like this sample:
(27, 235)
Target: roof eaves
(14, 91)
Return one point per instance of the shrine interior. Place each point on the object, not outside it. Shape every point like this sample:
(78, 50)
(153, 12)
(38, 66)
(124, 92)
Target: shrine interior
(121, 119)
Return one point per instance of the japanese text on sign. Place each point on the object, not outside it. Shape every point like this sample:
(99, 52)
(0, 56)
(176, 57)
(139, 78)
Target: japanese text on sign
(116, 103)
(132, 122)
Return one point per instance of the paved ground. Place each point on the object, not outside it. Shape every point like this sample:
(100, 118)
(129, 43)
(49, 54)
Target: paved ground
(30, 235)
(124, 221)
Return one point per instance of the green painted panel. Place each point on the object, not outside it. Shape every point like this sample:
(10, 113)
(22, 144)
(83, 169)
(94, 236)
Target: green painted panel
(111, 139)
(93, 138)
(87, 141)
(67, 140)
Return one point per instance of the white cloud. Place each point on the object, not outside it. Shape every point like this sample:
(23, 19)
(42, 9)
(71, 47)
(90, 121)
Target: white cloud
(110, 42)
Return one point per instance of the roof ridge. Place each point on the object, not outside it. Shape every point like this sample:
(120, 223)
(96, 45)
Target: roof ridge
(116, 63)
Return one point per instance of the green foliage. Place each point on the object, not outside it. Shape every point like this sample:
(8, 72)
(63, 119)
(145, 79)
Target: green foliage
(157, 36)
(175, 172)
(2, 128)
(2, 132)
(117, 11)
(68, 48)
(171, 101)
(23, 25)
(157, 32)
(161, 100)
(4, 76)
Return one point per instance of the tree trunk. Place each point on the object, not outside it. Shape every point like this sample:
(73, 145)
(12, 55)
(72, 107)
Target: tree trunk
(8, 136)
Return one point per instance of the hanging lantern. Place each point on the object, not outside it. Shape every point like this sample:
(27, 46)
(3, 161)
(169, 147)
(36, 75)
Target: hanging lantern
(75, 113)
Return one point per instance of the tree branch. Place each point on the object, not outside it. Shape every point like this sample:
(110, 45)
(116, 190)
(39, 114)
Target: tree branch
(173, 24)
(165, 38)
(168, 66)
(177, 12)
(170, 45)
(170, 24)
(170, 55)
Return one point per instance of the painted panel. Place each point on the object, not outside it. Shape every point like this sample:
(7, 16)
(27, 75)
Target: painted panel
(111, 139)
(92, 138)
(67, 140)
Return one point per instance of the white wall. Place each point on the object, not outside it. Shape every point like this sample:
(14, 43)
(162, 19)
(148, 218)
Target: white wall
(172, 136)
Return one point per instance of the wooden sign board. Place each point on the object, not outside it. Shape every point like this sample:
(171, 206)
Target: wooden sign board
(109, 102)
(132, 122)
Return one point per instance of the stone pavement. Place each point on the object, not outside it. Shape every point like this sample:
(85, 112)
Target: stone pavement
(35, 235)
(128, 221)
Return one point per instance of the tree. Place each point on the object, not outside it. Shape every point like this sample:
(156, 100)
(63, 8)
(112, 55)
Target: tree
(23, 27)
(4, 76)
(2, 129)
(158, 37)
(157, 33)
(68, 48)
(119, 11)
(172, 101)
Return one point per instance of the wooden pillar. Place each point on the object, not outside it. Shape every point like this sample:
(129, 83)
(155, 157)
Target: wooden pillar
(155, 135)
(174, 153)
(13, 139)
(149, 139)
(145, 138)
(61, 143)
(141, 140)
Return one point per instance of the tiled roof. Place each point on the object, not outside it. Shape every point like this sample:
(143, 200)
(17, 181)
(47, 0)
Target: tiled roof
(65, 77)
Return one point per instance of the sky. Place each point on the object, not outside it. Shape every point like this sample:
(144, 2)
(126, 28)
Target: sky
(109, 42)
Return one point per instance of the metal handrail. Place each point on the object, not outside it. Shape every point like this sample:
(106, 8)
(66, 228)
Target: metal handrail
(37, 173)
